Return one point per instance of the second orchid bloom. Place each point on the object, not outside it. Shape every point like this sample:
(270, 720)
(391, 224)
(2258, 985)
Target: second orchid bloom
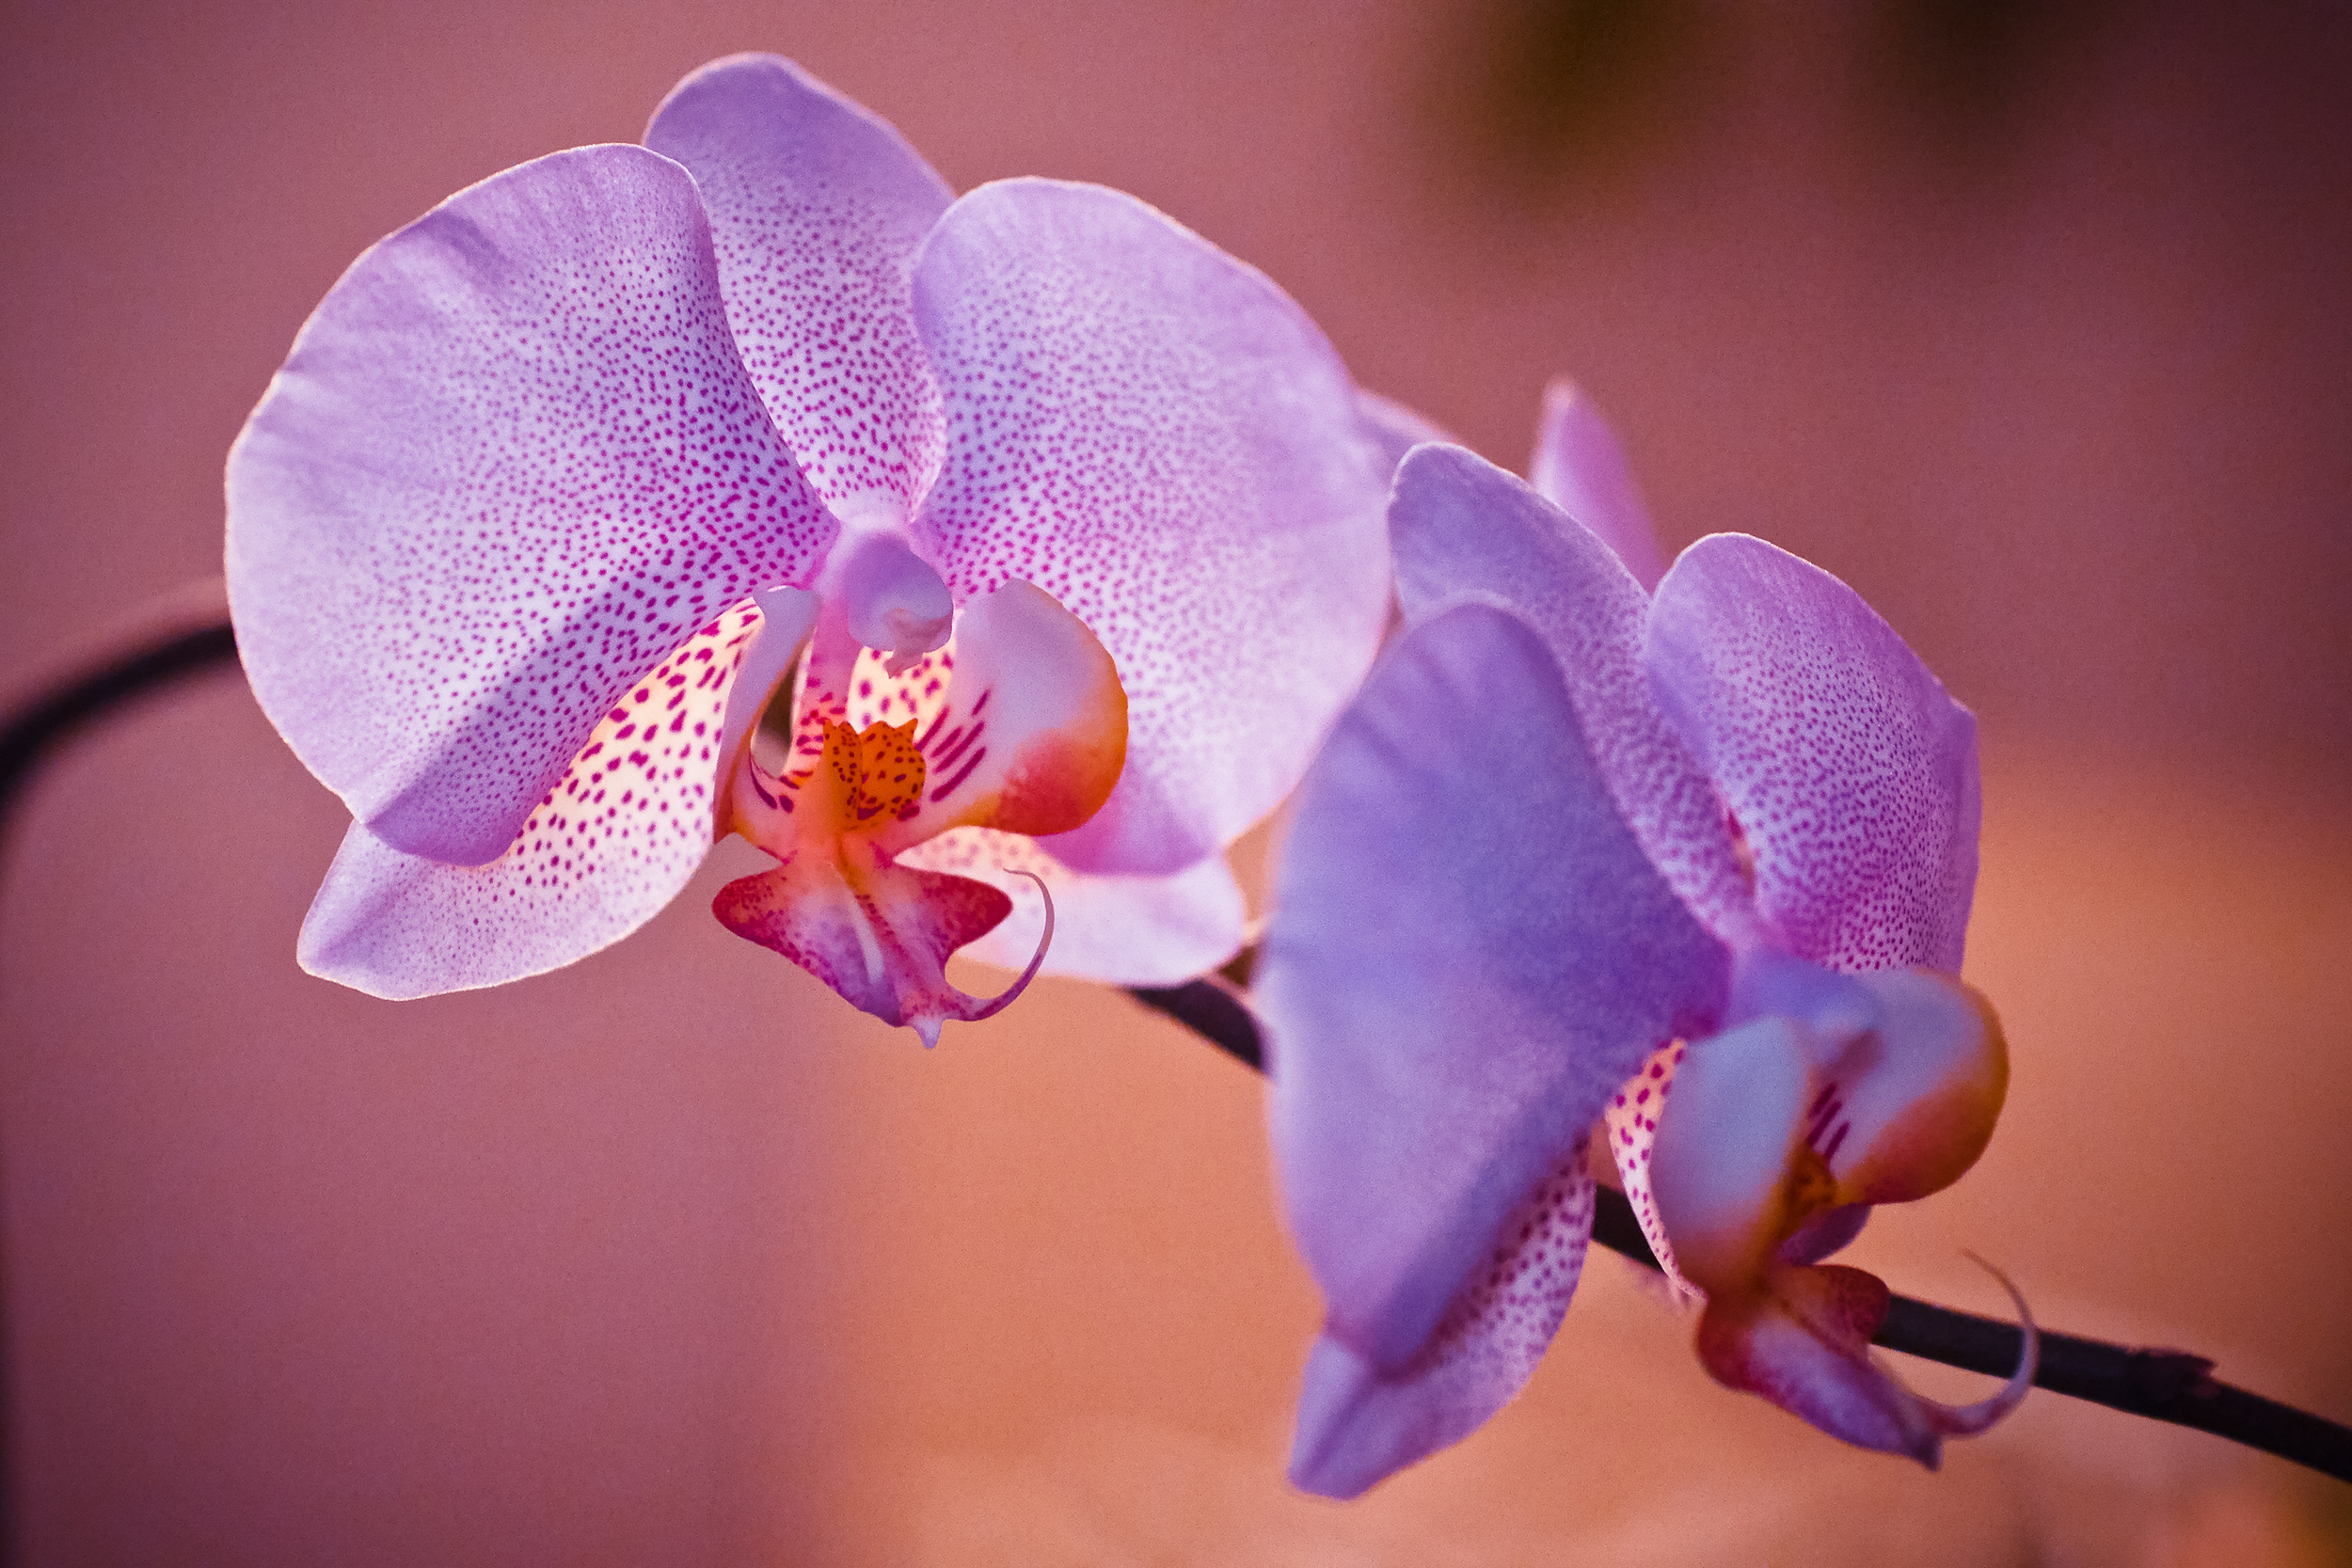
(1691, 867)
(1055, 532)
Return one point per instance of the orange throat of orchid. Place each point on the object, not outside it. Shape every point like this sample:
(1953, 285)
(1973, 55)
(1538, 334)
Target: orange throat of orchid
(1018, 725)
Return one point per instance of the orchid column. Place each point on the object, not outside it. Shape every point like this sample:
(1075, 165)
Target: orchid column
(1052, 534)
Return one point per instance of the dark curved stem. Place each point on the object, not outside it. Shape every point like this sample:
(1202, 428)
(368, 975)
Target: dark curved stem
(57, 713)
(2162, 1384)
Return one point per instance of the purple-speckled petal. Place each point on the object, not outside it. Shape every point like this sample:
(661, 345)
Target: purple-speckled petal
(1459, 524)
(1468, 954)
(1121, 930)
(1358, 1423)
(610, 843)
(1580, 468)
(1154, 434)
(512, 463)
(816, 209)
(1851, 771)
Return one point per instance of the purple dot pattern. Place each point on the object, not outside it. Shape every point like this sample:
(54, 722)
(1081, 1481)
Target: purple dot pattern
(815, 210)
(1499, 1325)
(1631, 1123)
(1460, 526)
(601, 852)
(1851, 773)
(1791, 770)
(1495, 1331)
(512, 463)
(532, 443)
(1153, 434)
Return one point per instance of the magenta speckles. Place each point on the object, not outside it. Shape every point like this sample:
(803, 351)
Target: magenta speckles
(1486, 1346)
(1851, 773)
(529, 445)
(1745, 774)
(1143, 475)
(513, 462)
(620, 833)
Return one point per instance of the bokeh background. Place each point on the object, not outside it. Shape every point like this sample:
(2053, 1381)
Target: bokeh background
(2034, 322)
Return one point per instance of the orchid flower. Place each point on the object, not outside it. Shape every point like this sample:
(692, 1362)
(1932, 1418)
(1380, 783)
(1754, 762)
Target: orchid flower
(747, 480)
(1572, 843)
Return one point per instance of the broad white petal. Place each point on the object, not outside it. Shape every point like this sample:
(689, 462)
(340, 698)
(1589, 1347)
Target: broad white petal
(1460, 525)
(1357, 1422)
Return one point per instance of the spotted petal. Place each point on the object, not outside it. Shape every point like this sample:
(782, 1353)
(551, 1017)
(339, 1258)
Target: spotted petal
(1851, 773)
(816, 209)
(1156, 435)
(610, 843)
(512, 463)
(1468, 954)
(1458, 525)
(1358, 1423)
(1580, 468)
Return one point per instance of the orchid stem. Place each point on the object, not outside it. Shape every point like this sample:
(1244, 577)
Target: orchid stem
(2170, 1386)
(2167, 1385)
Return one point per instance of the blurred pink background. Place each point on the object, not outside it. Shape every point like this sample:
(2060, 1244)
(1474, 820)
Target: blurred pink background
(2034, 323)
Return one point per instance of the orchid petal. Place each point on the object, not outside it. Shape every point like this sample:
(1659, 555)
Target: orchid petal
(1906, 1111)
(1725, 1168)
(1358, 1423)
(511, 466)
(1122, 930)
(817, 207)
(1631, 1121)
(1159, 438)
(1803, 1343)
(1031, 731)
(1459, 524)
(1469, 953)
(610, 843)
(1824, 1232)
(1580, 468)
(1851, 773)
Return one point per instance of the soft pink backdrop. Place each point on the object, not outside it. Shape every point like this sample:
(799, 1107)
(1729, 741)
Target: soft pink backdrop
(667, 1258)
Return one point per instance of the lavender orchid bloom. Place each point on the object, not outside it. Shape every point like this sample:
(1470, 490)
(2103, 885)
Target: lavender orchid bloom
(1054, 532)
(1573, 843)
